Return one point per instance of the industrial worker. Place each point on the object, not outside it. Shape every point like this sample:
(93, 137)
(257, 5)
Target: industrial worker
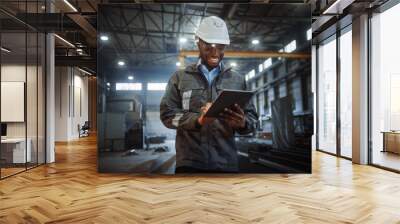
(203, 144)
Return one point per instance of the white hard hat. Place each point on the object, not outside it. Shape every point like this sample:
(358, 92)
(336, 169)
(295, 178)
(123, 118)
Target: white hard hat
(213, 30)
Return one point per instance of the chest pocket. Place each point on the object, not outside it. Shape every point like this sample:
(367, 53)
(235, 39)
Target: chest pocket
(193, 96)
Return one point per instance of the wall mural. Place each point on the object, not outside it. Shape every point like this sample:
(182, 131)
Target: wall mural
(204, 88)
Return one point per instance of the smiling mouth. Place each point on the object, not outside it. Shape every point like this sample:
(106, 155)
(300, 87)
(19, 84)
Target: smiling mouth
(214, 60)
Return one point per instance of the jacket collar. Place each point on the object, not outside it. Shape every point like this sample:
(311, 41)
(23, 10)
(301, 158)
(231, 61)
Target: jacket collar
(192, 68)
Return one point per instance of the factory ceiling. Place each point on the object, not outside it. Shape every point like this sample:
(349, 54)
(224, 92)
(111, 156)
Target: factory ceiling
(154, 30)
(149, 32)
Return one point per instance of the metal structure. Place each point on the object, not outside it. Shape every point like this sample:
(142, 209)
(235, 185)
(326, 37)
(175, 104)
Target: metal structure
(144, 34)
(150, 33)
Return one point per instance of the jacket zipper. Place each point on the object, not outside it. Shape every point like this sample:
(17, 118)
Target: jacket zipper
(209, 95)
(210, 99)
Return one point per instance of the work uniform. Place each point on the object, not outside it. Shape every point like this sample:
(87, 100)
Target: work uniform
(211, 146)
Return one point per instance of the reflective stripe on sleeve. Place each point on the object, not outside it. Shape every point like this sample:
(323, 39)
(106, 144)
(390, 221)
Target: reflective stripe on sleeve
(186, 99)
(175, 120)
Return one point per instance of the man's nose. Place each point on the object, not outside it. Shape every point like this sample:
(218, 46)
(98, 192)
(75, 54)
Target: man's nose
(214, 51)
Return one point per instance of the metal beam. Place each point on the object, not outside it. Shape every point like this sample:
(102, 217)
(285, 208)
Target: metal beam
(252, 54)
(127, 24)
(80, 21)
(162, 26)
(159, 34)
(232, 11)
(85, 61)
(84, 24)
(92, 6)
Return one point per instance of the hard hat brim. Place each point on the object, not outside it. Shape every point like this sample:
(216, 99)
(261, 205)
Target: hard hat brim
(213, 41)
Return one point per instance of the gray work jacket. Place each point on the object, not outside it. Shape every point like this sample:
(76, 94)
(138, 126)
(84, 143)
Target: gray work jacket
(208, 147)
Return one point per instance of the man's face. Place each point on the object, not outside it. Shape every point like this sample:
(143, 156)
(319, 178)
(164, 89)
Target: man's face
(211, 54)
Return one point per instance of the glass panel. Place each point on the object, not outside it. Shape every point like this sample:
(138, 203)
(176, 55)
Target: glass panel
(31, 97)
(41, 98)
(346, 94)
(385, 114)
(22, 79)
(13, 87)
(41, 89)
(327, 96)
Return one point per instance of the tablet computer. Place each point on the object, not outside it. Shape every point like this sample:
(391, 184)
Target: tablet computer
(227, 99)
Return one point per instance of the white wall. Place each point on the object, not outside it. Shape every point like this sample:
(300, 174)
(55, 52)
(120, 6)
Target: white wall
(10, 73)
(81, 105)
(71, 102)
(61, 103)
(16, 73)
(33, 126)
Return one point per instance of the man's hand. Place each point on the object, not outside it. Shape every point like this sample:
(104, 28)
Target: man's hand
(235, 118)
(202, 120)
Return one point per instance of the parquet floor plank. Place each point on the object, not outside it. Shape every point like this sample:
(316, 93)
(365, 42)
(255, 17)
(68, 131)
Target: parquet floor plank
(71, 191)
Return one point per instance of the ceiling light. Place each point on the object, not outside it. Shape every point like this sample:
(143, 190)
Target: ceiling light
(309, 34)
(71, 6)
(255, 41)
(79, 50)
(182, 40)
(337, 7)
(84, 71)
(5, 50)
(290, 47)
(104, 38)
(260, 67)
(121, 63)
(65, 41)
(252, 73)
(267, 63)
(178, 64)
(280, 51)
(130, 77)
(108, 84)
(233, 64)
(43, 7)
(331, 7)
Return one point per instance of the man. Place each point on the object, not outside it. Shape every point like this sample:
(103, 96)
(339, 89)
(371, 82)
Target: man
(205, 144)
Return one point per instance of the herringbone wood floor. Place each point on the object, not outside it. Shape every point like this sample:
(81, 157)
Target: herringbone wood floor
(71, 191)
